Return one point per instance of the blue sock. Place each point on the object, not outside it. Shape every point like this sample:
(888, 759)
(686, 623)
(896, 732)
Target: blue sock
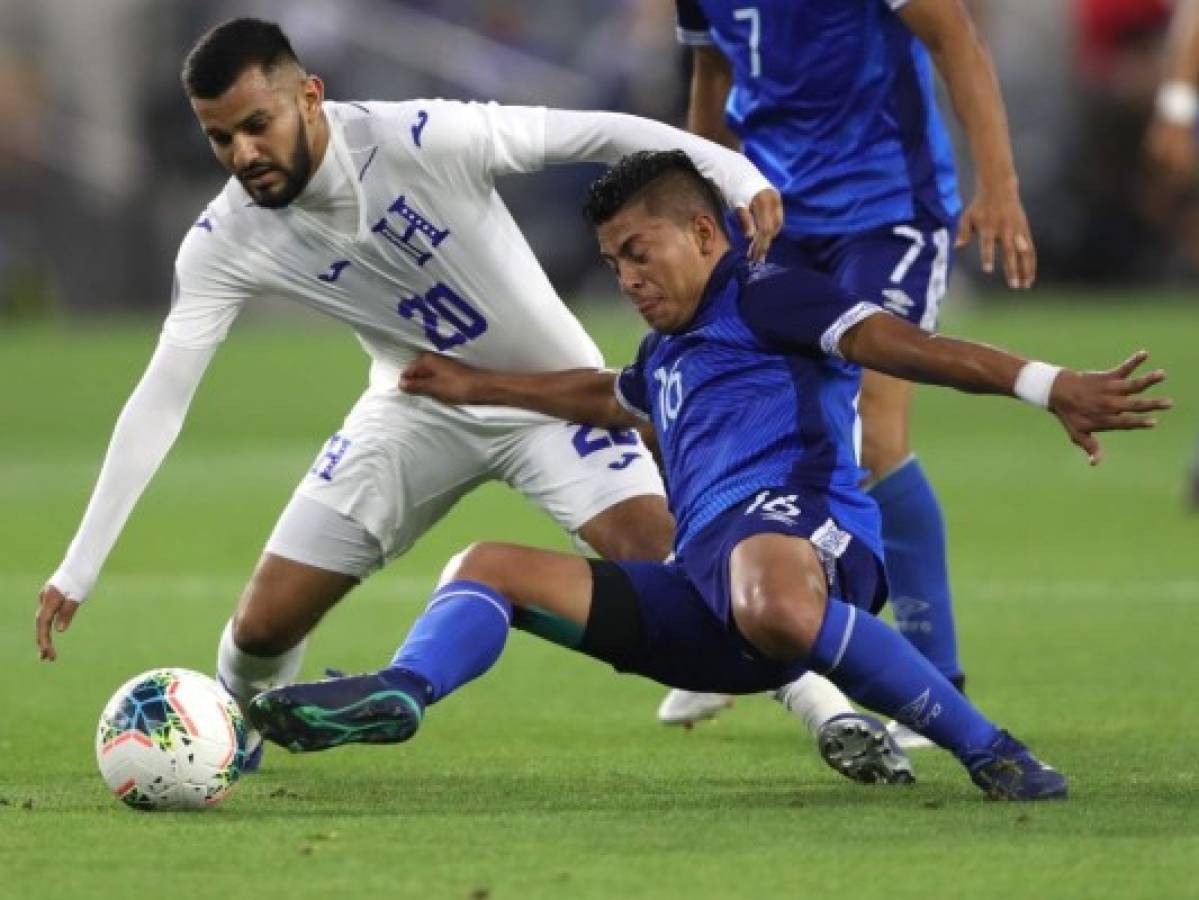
(459, 637)
(880, 670)
(914, 546)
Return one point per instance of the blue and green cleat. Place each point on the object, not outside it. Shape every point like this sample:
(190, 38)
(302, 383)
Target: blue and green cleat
(1006, 770)
(318, 715)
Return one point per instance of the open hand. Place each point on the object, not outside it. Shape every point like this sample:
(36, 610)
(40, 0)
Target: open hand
(761, 221)
(999, 216)
(1091, 402)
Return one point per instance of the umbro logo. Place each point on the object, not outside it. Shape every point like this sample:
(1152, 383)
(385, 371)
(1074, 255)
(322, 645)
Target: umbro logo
(919, 712)
(781, 518)
(335, 271)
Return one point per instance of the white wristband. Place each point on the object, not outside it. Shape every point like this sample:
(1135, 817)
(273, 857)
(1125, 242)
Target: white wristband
(1034, 382)
(1177, 103)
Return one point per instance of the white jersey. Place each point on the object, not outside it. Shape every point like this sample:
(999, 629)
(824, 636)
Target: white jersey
(401, 234)
(428, 257)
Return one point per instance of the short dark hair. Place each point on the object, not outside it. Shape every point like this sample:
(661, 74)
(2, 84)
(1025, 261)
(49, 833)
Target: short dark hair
(222, 54)
(668, 182)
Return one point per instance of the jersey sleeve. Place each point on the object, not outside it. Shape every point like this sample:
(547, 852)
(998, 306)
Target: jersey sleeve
(693, 29)
(800, 310)
(605, 137)
(208, 293)
(631, 389)
(144, 432)
(473, 143)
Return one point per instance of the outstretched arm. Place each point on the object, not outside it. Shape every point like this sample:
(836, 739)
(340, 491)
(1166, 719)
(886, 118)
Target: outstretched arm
(1086, 403)
(576, 395)
(145, 431)
(995, 213)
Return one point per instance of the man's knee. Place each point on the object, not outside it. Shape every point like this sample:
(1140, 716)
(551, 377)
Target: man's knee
(282, 603)
(486, 562)
(778, 595)
(259, 635)
(782, 624)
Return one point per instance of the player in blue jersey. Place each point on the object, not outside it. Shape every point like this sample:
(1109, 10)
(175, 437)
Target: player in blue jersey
(834, 101)
(748, 377)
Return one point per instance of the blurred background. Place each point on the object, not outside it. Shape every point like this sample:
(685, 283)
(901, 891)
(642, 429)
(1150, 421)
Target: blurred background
(102, 168)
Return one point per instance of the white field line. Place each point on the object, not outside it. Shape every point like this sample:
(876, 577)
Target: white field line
(965, 590)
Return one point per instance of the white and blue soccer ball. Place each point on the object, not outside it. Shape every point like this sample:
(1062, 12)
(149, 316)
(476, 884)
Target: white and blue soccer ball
(171, 739)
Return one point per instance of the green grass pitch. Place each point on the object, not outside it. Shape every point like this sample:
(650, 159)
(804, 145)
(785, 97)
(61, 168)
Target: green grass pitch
(1077, 595)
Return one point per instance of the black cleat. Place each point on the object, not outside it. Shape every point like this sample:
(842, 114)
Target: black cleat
(359, 709)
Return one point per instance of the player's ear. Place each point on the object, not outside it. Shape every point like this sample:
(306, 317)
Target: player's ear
(707, 233)
(312, 95)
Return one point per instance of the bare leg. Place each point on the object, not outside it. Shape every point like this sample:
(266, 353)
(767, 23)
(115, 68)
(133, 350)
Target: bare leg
(884, 407)
(263, 645)
(640, 528)
(558, 583)
(778, 594)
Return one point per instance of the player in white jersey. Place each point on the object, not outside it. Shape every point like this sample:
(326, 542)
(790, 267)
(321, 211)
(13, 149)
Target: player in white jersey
(384, 216)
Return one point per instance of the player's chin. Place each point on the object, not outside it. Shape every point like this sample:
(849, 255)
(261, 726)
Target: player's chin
(272, 199)
(657, 316)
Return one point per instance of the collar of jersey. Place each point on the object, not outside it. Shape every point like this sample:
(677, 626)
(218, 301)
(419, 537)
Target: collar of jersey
(337, 153)
(725, 269)
(321, 189)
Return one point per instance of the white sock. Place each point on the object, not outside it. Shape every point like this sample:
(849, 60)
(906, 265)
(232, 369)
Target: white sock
(813, 699)
(245, 675)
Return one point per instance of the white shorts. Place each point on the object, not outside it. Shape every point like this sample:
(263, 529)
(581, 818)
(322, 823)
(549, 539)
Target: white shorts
(399, 463)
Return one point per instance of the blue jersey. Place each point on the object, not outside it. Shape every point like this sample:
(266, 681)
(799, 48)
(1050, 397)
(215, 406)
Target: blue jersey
(833, 100)
(752, 395)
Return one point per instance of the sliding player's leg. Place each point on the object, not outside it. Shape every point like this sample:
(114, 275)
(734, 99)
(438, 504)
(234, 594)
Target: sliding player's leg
(458, 638)
(644, 618)
(784, 605)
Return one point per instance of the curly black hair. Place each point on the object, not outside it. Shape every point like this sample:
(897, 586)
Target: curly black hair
(223, 53)
(668, 182)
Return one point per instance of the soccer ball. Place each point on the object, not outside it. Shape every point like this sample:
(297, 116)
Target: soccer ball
(171, 739)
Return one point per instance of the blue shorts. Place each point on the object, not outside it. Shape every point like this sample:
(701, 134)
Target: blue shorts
(672, 622)
(902, 267)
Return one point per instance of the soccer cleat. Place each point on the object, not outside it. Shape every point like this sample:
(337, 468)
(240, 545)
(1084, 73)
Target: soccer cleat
(1006, 770)
(688, 707)
(906, 739)
(859, 747)
(318, 715)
